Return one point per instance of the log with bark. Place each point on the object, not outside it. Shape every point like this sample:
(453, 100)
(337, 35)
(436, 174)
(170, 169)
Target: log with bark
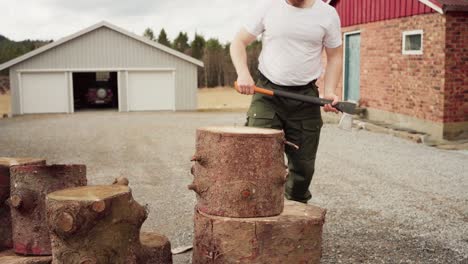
(29, 186)
(6, 241)
(295, 236)
(9, 257)
(101, 224)
(239, 171)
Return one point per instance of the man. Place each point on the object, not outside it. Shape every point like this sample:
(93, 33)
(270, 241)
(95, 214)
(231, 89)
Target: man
(295, 32)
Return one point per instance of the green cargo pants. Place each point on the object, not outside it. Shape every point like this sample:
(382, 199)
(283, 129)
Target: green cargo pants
(301, 123)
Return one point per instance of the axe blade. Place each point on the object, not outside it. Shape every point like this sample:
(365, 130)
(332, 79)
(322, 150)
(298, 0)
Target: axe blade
(347, 107)
(346, 122)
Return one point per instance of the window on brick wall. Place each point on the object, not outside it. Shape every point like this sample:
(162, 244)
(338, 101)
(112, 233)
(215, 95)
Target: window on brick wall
(412, 42)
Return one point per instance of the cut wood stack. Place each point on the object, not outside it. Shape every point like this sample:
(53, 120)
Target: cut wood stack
(240, 216)
(76, 223)
(25, 182)
(101, 224)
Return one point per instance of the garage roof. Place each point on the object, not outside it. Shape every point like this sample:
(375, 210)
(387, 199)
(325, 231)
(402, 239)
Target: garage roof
(92, 28)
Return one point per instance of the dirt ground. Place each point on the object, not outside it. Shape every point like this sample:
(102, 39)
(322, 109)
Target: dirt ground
(389, 200)
(4, 104)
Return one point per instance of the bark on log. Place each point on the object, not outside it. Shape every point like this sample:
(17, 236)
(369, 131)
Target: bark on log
(239, 171)
(9, 257)
(156, 249)
(6, 241)
(295, 236)
(101, 224)
(29, 187)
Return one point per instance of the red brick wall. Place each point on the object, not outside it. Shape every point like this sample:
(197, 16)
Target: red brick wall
(456, 77)
(412, 85)
(4, 84)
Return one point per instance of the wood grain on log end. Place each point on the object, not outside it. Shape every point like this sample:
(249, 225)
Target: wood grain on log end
(99, 206)
(16, 201)
(8, 162)
(89, 193)
(9, 257)
(295, 236)
(65, 221)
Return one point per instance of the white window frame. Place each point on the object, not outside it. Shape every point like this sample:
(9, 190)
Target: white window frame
(409, 33)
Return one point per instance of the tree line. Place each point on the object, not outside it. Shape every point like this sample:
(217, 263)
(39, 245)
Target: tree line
(218, 70)
(11, 49)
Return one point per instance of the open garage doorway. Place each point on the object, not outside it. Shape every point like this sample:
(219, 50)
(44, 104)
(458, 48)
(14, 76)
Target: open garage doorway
(95, 90)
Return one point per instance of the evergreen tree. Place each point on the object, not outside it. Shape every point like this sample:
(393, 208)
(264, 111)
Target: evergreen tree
(149, 34)
(162, 38)
(181, 42)
(198, 46)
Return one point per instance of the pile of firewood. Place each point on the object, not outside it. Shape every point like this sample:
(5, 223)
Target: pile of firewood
(240, 216)
(49, 215)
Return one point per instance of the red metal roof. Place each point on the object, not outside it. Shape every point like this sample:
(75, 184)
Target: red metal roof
(354, 12)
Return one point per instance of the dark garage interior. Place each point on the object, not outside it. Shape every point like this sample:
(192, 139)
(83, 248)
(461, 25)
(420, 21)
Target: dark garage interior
(95, 90)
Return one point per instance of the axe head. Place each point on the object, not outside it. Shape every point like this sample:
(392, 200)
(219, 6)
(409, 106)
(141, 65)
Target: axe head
(346, 107)
(346, 122)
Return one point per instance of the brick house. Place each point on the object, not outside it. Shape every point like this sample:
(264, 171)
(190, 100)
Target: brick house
(406, 61)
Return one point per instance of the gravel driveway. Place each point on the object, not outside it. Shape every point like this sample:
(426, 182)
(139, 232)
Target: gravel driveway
(388, 200)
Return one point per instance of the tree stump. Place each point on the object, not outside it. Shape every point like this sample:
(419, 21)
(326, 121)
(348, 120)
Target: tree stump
(295, 236)
(29, 187)
(9, 257)
(239, 171)
(6, 241)
(101, 224)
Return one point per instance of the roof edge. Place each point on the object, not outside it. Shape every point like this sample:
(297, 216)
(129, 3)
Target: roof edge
(63, 40)
(433, 5)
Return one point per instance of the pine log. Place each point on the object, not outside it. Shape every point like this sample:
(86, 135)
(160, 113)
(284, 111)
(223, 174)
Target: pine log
(29, 187)
(295, 236)
(101, 224)
(9, 257)
(156, 249)
(239, 171)
(6, 241)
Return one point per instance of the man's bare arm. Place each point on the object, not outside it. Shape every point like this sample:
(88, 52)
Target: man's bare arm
(333, 75)
(239, 59)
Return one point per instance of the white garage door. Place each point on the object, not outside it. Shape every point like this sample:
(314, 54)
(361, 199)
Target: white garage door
(44, 93)
(149, 91)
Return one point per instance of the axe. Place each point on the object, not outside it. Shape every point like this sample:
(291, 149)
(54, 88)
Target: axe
(347, 108)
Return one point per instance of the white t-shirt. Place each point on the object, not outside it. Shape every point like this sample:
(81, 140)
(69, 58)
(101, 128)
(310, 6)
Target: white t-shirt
(293, 39)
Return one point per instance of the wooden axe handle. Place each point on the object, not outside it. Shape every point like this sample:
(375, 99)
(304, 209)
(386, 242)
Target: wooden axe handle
(346, 107)
(299, 97)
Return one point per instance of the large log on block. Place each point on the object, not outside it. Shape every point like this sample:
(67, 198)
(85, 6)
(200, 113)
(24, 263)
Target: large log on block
(101, 224)
(9, 257)
(239, 171)
(295, 236)
(29, 186)
(6, 241)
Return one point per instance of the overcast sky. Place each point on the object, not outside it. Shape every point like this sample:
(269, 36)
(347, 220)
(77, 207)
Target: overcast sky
(53, 19)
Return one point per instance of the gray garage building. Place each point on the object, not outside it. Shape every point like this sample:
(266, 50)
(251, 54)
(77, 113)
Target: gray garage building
(102, 65)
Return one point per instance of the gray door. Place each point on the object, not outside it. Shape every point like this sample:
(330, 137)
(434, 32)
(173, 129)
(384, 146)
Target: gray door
(352, 67)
